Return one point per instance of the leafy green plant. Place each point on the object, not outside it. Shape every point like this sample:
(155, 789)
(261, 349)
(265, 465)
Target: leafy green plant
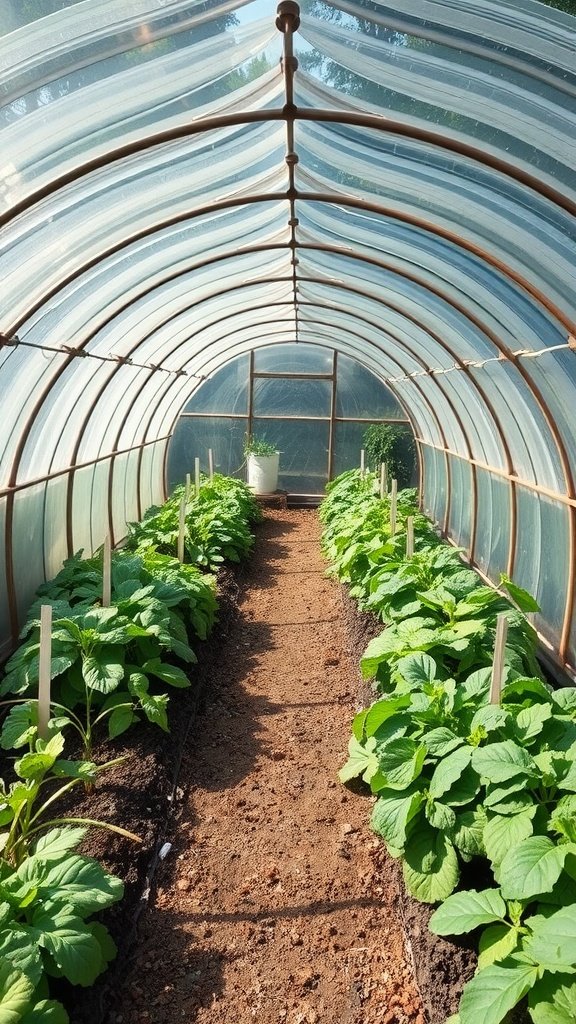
(21, 1002)
(394, 445)
(45, 904)
(43, 777)
(97, 650)
(217, 524)
(258, 446)
(528, 949)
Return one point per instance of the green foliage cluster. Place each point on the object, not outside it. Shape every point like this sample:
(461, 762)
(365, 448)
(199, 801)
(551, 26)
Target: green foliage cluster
(218, 523)
(108, 664)
(460, 780)
(394, 445)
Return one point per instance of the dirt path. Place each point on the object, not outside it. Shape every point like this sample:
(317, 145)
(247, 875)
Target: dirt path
(272, 905)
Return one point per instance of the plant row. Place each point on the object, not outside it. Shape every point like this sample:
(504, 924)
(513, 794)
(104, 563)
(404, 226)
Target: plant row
(463, 785)
(109, 667)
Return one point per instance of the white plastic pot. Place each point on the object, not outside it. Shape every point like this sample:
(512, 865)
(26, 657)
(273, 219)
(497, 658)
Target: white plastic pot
(263, 473)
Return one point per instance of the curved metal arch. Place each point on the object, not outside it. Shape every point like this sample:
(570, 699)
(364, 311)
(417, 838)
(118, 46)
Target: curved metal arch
(290, 113)
(379, 209)
(174, 275)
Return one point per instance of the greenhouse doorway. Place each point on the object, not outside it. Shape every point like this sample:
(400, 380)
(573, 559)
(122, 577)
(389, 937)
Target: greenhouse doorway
(311, 402)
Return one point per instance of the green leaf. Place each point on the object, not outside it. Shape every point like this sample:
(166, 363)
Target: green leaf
(20, 726)
(19, 948)
(382, 711)
(103, 671)
(167, 673)
(33, 766)
(58, 841)
(474, 687)
(401, 762)
(464, 911)
(47, 1011)
(154, 707)
(441, 741)
(499, 762)
(361, 760)
(449, 770)
(492, 993)
(553, 942)
(503, 833)
(553, 1000)
(530, 721)
(15, 992)
(82, 883)
(521, 597)
(468, 832)
(490, 717)
(531, 868)
(431, 866)
(440, 815)
(392, 813)
(496, 943)
(507, 800)
(120, 720)
(464, 790)
(75, 951)
(417, 669)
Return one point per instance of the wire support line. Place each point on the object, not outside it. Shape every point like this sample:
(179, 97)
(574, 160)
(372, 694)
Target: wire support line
(13, 341)
(466, 364)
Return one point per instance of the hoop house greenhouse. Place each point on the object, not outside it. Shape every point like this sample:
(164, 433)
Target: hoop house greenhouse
(297, 745)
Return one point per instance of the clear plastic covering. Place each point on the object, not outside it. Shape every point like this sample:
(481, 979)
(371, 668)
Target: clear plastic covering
(174, 198)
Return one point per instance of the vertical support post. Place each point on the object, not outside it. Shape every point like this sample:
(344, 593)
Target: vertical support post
(409, 536)
(498, 662)
(181, 528)
(383, 480)
(187, 487)
(44, 672)
(210, 464)
(107, 572)
(332, 434)
(362, 463)
(197, 476)
(393, 506)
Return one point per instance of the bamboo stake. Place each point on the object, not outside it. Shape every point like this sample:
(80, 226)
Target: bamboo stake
(210, 464)
(362, 463)
(393, 506)
(188, 487)
(409, 536)
(107, 572)
(44, 671)
(383, 479)
(181, 529)
(197, 476)
(498, 662)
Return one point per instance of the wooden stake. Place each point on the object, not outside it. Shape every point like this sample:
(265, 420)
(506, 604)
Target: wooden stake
(44, 671)
(197, 476)
(210, 464)
(188, 487)
(409, 536)
(393, 506)
(383, 480)
(362, 463)
(181, 529)
(498, 663)
(107, 572)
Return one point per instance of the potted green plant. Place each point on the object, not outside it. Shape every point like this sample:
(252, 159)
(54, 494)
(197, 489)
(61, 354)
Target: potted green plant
(262, 460)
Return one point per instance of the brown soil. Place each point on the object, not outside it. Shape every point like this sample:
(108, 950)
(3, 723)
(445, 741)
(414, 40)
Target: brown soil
(275, 902)
(271, 903)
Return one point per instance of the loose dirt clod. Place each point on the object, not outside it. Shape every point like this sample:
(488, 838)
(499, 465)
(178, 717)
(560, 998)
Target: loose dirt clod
(271, 907)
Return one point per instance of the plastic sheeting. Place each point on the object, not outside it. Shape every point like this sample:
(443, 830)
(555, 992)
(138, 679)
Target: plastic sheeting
(152, 229)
